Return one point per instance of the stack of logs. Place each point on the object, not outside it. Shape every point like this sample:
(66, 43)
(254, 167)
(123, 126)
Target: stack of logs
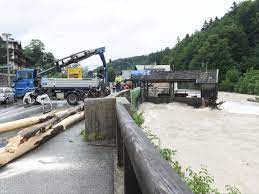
(36, 130)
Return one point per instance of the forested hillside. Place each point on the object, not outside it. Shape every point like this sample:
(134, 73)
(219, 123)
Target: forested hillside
(130, 62)
(230, 44)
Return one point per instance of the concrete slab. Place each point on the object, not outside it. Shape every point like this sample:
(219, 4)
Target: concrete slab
(64, 164)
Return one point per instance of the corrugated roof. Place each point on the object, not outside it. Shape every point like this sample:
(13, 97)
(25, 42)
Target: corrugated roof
(197, 76)
(150, 67)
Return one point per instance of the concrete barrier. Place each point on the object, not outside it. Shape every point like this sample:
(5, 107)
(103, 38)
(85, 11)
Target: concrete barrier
(145, 171)
(100, 118)
(195, 102)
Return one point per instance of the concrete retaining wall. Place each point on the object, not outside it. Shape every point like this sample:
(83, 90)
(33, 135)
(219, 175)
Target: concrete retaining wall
(100, 118)
(145, 171)
(195, 102)
(157, 100)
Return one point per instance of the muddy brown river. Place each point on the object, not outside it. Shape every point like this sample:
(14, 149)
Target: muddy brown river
(226, 141)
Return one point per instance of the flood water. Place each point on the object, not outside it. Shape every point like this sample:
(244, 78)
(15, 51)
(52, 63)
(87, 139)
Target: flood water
(226, 141)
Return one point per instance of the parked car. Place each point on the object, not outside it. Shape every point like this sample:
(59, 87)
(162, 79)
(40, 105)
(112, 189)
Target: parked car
(7, 95)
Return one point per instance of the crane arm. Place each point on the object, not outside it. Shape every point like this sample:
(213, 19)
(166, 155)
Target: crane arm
(75, 58)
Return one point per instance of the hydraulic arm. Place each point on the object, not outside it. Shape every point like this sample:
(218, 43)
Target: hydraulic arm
(75, 58)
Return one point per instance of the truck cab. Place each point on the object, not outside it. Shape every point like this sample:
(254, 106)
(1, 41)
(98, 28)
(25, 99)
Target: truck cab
(24, 81)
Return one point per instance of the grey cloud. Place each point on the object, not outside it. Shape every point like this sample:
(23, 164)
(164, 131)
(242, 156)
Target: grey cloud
(125, 27)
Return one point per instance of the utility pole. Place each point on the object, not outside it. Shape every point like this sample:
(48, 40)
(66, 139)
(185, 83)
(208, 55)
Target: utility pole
(7, 35)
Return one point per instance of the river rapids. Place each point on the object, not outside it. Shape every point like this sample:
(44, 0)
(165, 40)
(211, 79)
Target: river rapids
(225, 141)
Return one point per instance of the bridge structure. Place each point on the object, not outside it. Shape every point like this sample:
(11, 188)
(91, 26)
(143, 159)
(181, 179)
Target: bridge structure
(116, 158)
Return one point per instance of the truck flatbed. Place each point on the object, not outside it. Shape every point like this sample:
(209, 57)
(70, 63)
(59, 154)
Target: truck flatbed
(69, 83)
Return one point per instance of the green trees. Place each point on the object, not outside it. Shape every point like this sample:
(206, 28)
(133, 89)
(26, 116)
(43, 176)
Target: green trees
(249, 83)
(129, 63)
(230, 44)
(230, 81)
(34, 54)
(111, 74)
(37, 56)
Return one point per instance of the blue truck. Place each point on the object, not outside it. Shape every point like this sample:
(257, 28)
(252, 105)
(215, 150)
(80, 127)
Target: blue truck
(24, 81)
(32, 83)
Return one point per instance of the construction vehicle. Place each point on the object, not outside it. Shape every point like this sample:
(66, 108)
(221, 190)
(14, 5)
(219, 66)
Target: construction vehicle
(24, 81)
(75, 72)
(73, 89)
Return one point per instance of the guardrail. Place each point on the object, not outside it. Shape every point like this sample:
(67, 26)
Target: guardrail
(145, 171)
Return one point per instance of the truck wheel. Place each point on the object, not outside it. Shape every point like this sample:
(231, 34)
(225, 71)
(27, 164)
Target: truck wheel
(72, 98)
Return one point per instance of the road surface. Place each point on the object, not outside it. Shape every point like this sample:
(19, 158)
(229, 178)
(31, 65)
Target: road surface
(64, 164)
(17, 110)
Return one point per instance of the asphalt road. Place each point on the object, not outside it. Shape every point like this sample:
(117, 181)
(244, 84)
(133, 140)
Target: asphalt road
(17, 110)
(14, 105)
(64, 164)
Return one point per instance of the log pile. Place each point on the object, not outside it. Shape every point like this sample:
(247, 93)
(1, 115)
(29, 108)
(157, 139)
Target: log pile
(36, 130)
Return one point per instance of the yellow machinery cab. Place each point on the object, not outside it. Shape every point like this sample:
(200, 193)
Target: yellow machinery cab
(74, 72)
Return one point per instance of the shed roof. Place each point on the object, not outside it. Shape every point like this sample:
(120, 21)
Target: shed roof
(197, 76)
(154, 67)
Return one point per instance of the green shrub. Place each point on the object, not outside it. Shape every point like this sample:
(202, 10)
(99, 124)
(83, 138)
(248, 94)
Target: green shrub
(232, 77)
(201, 182)
(153, 138)
(249, 83)
(138, 117)
(167, 154)
(232, 190)
(84, 135)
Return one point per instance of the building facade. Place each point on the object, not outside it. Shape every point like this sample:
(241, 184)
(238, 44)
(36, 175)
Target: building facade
(15, 56)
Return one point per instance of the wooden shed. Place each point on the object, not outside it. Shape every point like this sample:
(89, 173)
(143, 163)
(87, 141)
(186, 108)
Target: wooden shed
(206, 81)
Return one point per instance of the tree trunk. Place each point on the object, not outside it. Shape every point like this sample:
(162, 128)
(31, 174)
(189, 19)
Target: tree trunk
(21, 123)
(31, 131)
(19, 144)
(26, 122)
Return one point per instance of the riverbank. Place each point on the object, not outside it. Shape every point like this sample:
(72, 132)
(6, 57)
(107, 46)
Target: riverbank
(226, 141)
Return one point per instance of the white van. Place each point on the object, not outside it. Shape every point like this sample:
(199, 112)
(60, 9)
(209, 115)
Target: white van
(7, 95)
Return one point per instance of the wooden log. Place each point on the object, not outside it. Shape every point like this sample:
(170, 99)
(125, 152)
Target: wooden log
(21, 123)
(18, 146)
(71, 120)
(31, 131)
(26, 122)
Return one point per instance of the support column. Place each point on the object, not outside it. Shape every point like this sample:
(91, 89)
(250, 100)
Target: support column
(100, 121)
(170, 90)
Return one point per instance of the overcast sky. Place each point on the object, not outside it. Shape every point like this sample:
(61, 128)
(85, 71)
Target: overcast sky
(125, 27)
